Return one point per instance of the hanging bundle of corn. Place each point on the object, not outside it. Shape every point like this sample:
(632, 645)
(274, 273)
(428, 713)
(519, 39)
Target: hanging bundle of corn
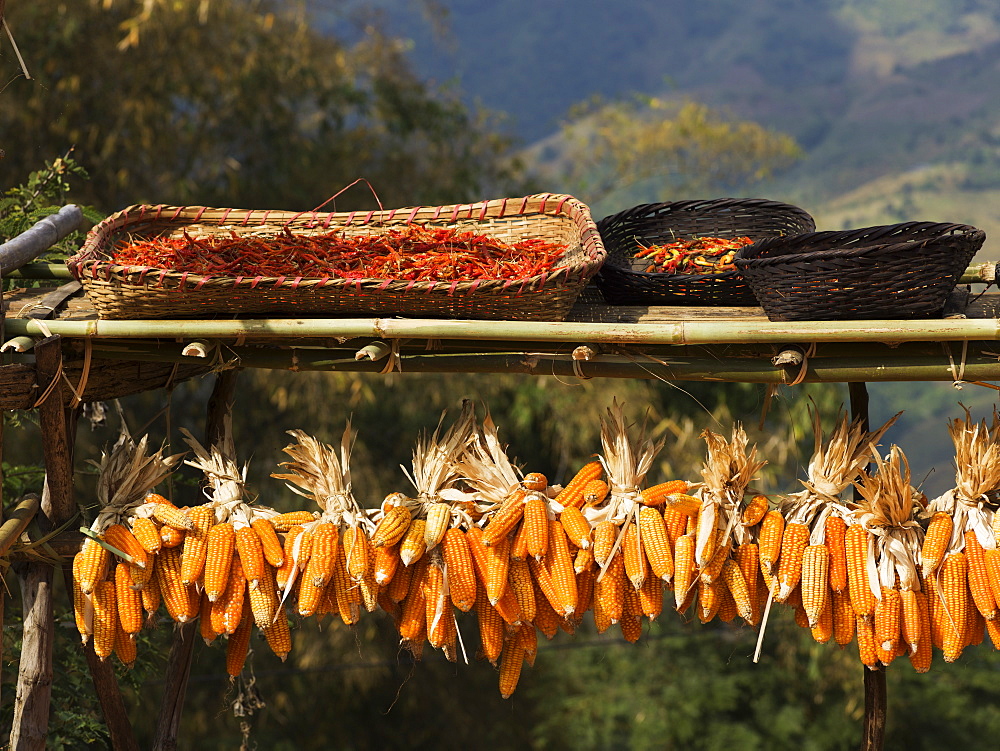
(114, 568)
(887, 512)
(806, 564)
(631, 545)
(520, 553)
(230, 555)
(722, 532)
(961, 542)
(330, 564)
(423, 564)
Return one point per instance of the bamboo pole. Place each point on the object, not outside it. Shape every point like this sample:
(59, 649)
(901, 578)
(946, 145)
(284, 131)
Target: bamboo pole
(182, 648)
(45, 233)
(873, 735)
(665, 332)
(17, 521)
(713, 366)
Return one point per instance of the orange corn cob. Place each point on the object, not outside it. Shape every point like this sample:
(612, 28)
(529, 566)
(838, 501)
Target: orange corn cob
(438, 519)
(125, 647)
(497, 562)
(815, 581)
(436, 610)
(727, 604)
(709, 599)
(546, 618)
(239, 643)
(954, 589)
(541, 576)
(910, 625)
(278, 635)
(172, 516)
(399, 585)
(346, 593)
(227, 610)
(867, 651)
(181, 605)
(559, 563)
(922, 656)
(594, 493)
(391, 527)
(979, 581)
(324, 542)
(461, 573)
(636, 565)
(508, 608)
(755, 511)
(413, 619)
(655, 543)
(835, 534)
(843, 618)
(769, 543)
(205, 629)
(195, 548)
(413, 545)
(502, 522)
(145, 531)
(747, 558)
(251, 554)
(601, 620)
(129, 600)
(511, 660)
(793, 544)
(605, 534)
(273, 550)
(105, 618)
(264, 597)
(936, 540)
(577, 527)
(584, 560)
(656, 495)
(93, 565)
(683, 503)
(150, 594)
(170, 537)
(631, 628)
(856, 545)
(284, 522)
(387, 562)
(610, 588)
(535, 481)
(120, 537)
(732, 576)
(357, 550)
(519, 542)
(83, 607)
(650, 597)
(491, 627)
(711, 571)
(288, 562)
(991, 560)
(585, 581)
(220, 547)
(822, 632)
(684, 570)
(993, 629)
(888, 618)
(571, 496)
(519, 581)
(675, 523)
(535, 522)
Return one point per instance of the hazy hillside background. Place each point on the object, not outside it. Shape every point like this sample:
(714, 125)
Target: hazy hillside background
(894, 103)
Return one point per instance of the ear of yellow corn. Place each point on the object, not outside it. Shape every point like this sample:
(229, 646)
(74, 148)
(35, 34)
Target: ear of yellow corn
(546, 618)
(519, 581)
(910, 625)
(146, 533)
(227, 610)
(843, 618)
(675, 523)
(125, 648)
(935, 541)
(571, 496)
(238, 643)
(413, 544)
(93, 565)
(511, 660)
(655, 543)
(583, 560)
(769, 543)
(172, 516)
(636, 565)
(605, 534)
(709, 599)
(83, 606)
(284, 522)
(713, 568)
(610, 588)
(815, 581)
(822, 632)
(536, 525)
(105, 618)
(195, 547)
(576, 526)
(461, 573)
(793, 545)
(856, 545)
(497, 562)
(324, 538)
(979, 581)
(219, 549)
(747, 558)
(888, 619)
(732, 576)
(491, 627)
(129, 600)
(120, 537)
(177, 597)
(867, 653)
(264, 597)
(278, 635)
(270, 544)
(438, 519)
(535, 481)
(559, 563)
(391, 527)
(150, 594)
(205, 629)
(594, 492)
(954, 593)
(834, 538)
(755, 510)
(399, 585)
(171, 537)
(684, 570)
(502, 522)
(650, 597)
(387, 562)
(251, 554)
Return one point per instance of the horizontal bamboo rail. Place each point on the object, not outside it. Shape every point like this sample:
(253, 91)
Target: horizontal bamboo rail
(667, 332)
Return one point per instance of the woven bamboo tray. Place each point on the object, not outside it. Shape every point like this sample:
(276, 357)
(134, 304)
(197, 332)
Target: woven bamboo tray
(892, 271)
(623, 281)
(143, 292)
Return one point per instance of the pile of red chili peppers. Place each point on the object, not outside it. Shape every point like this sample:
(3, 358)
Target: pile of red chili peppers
(702, 255)
(415, 253)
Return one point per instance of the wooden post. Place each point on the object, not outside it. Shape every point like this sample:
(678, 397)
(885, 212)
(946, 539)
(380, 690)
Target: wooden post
(873, 737)
(182, 649)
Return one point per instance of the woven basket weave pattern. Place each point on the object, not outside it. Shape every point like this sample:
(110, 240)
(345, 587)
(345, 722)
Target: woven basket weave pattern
(623, 281)
(893, 271)
(141, 292)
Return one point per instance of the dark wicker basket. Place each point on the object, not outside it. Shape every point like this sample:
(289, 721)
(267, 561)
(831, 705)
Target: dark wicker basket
(887, 272)
(142, 292)
(622, 280)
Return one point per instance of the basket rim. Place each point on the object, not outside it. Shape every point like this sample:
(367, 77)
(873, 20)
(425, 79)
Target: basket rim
(703, 203)
(86, 265)
(746, 260)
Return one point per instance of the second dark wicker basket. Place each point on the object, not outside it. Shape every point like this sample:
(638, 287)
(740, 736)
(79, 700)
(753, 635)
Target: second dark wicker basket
(622, 280)
(886, 272)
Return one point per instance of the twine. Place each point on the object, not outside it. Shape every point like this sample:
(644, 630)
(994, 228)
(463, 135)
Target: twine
(959, 376)
(393, 362)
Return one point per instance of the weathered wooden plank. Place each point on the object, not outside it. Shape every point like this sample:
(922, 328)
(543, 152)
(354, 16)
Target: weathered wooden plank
(29, 728)
(57, 445)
